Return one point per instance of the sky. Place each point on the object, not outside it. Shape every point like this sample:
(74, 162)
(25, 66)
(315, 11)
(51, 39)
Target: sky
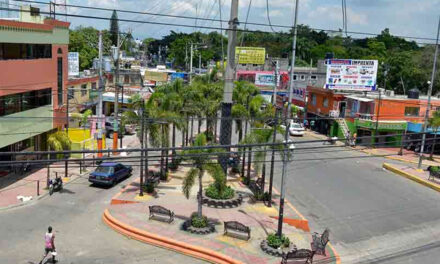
(403, 17)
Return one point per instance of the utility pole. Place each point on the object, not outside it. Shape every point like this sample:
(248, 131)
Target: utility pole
(141, 191)
(274, 97)
(100, 89)
(226, 122)
(200, 62)
(122, 111)
(289, 106)
(191, 63)
(272, 161)
(115, 124)
(434, 69)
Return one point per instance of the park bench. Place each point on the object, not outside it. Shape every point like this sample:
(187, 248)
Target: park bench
(320, 241)
(300, 256)
(237, 227)
(161, 213)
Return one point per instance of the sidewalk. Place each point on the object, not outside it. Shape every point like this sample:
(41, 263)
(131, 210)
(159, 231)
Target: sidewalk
(410, 172)
(33, 186)
(131, 211)
(407, 156)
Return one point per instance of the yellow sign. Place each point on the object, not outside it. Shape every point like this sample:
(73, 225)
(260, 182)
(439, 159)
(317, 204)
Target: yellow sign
(156, 76)
(250, 55)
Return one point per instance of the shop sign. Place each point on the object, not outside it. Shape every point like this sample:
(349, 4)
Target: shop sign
(382, 126)
(357, 75)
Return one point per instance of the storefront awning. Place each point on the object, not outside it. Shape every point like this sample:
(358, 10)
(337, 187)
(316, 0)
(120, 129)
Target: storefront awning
(360, 99)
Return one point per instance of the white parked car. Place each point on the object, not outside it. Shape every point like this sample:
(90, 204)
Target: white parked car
(296, 129)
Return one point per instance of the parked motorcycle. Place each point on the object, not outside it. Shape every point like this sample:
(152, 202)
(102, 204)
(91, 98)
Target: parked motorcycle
(55, 185)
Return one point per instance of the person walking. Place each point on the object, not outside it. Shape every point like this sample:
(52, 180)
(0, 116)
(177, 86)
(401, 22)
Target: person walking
(49, 245)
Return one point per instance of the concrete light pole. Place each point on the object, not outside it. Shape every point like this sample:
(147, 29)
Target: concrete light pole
(289, 106)
(434, 69)
(100, 89)
(226, 122)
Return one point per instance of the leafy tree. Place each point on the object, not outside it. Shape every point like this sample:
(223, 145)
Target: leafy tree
(434, 123)
(114, 28)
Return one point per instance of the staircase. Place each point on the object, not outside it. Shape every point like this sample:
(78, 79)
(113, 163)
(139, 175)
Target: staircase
(343, 125)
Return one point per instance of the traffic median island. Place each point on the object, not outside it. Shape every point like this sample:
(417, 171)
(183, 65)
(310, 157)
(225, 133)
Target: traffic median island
(131, 219)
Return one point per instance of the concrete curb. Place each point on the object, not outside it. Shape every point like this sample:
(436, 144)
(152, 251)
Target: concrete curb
(411, 177)
(38, 197)
(305, 223)
(171, 244)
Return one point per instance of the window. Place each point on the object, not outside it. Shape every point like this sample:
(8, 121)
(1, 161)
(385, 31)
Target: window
(126, 78)
(94, 86)
(16, 51)
(313, 99)
(313, 77)
(303, 77)
(295, 77)
(83, 89)
(19, 102)
(325, 102)
(60, 81)
(71, 92)
(412, 111)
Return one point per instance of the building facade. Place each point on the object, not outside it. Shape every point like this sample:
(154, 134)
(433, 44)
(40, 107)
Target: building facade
(33, 78)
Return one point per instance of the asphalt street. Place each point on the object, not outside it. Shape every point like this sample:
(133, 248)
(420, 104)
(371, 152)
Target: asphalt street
(81, 237)
(374, 215)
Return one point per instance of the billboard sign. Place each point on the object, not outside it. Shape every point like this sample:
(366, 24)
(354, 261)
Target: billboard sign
(250, 55)
(299, 93)
(266, 79)
(73, 63)
(357, 75)
(156, 76)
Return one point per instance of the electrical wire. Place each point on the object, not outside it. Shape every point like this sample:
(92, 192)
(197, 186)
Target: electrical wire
(268, 15)
(189, 17)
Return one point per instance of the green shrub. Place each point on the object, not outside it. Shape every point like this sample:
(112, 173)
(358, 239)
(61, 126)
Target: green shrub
(175, 162)
(274, 241)
(435, 169)
(199, 222)
(260, 196)
(148, 188)
(213, 193)
(245, 180)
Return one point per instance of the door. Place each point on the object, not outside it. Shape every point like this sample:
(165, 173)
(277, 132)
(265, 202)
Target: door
(342, 106)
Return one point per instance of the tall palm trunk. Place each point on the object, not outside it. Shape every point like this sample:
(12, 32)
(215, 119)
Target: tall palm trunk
(199, 124)
(433, 146)
(215, 129)
(174, 142)
(249, 165)
(263, 174)
(192, 127)
(199, 205)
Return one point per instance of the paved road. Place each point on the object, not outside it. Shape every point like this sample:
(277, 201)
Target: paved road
(81, 237)
(374, 215)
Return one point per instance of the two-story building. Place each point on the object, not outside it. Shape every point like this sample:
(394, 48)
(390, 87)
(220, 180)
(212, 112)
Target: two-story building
(33, 81)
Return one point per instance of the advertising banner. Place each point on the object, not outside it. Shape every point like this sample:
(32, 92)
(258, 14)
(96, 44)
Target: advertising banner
(299, 93)
(156, 76)
(266, 79)
(73, 63)
(358, 75)
(250, 55)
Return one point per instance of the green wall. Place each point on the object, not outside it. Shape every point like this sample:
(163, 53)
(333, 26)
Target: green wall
(26, 124)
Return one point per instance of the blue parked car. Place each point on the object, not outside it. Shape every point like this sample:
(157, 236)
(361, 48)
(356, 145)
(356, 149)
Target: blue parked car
(109, 173)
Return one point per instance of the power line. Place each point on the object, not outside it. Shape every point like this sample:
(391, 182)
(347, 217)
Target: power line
(193, 18)
(268, 15)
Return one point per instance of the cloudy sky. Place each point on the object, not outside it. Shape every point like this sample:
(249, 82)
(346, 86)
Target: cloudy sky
(403, 17)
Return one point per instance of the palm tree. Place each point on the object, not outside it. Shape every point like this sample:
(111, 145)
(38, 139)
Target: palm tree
(202, 163)
(59, 141)
(434, 123)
